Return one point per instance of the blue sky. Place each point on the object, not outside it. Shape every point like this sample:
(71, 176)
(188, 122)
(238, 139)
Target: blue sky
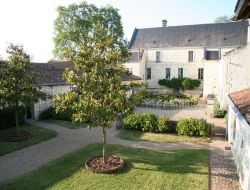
(30, 22)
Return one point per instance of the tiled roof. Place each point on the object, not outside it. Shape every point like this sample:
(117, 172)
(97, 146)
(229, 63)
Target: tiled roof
(50, 74)
(201, 35)
(241, 99)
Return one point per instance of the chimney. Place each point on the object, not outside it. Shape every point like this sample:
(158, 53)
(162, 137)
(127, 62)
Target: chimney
(164, 22)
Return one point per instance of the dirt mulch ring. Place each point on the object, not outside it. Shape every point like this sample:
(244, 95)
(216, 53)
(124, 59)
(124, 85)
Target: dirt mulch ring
(113, 164)
(16, 137)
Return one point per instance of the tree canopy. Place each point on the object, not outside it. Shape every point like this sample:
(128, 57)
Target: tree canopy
(18, 81)
(92, 38)
(224, 19)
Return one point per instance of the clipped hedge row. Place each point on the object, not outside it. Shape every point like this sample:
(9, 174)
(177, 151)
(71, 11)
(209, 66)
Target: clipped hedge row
(183, 83)
(7, 117)
(50, 113)
(147, 122)
(193, 127)
(218, 113)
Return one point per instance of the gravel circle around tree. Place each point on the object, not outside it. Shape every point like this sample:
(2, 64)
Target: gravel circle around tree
(113, 164)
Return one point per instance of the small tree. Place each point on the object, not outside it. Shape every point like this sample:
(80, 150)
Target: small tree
(18, 81)
(92, 38)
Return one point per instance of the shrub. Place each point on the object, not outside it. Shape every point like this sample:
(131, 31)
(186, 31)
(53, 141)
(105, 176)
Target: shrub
(218, 113)
(147, 122)
(164, 124)
(193, 127)
(50, 113)
(46, 114)
(190, 84)
(150, 122)
(177, 84)
(133, 121)
(7, 117)
(62, 115)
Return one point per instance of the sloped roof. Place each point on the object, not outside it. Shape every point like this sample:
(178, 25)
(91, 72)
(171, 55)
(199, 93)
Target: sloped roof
(241, 100)
(202, 35)
(50, 74)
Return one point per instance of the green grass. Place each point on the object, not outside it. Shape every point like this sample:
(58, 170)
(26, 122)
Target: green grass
(68, 124)
(154, 137)
(145, 169)
(38, 134)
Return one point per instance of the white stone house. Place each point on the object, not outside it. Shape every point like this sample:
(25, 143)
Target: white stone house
(50, 80)
(234, 71)
(193, 51)
(239, 134)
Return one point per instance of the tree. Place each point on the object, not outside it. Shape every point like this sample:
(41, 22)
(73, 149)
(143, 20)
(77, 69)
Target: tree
(18, 81)
(92, 38)
(224, 19)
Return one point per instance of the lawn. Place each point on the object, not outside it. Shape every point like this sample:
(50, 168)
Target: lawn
(38, 134)
(133, 135)
(68, 124)
(145, 169)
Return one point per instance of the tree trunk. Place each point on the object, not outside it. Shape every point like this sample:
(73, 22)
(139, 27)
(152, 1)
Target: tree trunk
(104, 144)
(17, 122)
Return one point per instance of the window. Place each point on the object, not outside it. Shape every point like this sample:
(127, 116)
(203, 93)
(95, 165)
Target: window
(168, 75)
(148, 73)
(212, 55)
(190, 56)
(200, 73)
(180, 73)
(158, 56)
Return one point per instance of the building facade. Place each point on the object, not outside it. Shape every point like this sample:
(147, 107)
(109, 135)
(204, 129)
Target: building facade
(239, 133)
(193, 51)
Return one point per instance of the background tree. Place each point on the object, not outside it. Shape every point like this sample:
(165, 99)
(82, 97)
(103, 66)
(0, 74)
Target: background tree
(224, 19)
(92, 38)
(18, 81)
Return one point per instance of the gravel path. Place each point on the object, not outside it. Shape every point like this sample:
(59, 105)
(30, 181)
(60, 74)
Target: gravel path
(223, 172)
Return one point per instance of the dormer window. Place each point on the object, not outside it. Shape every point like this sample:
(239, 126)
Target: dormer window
(158, 56)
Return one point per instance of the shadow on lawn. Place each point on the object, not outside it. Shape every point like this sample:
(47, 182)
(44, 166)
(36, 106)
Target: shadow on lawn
(184, 161)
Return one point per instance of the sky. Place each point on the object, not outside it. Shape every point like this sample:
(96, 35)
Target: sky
(31, 22)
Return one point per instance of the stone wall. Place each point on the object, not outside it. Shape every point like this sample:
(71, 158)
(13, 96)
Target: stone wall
(51, 90)
(234, 73)
(239, 139)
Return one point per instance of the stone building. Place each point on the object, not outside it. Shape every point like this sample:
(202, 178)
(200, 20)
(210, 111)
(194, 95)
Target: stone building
(50, 80)
(239, 133)
(193, 51)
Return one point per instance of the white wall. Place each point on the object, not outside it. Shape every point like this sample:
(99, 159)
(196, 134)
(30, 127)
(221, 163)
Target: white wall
(240, 144)
(51, 90)
(235, 72)
(175, 58)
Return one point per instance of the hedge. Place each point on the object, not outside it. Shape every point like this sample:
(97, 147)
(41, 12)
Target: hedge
(177, 84)
(7, 117)
(147, 122)
(193, 127)
(50, 113)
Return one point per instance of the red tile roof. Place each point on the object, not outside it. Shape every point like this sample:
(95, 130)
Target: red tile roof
(241, 99)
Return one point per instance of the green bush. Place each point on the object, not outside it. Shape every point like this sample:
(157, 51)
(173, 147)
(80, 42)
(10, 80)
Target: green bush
(177, 84)
(164, 124)
(46, 114)
(147, 122)
(7, 117)
(193, 127)
(190, 84)
(133, 121)
(50, 113)
(150, 122)
(218, 113)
